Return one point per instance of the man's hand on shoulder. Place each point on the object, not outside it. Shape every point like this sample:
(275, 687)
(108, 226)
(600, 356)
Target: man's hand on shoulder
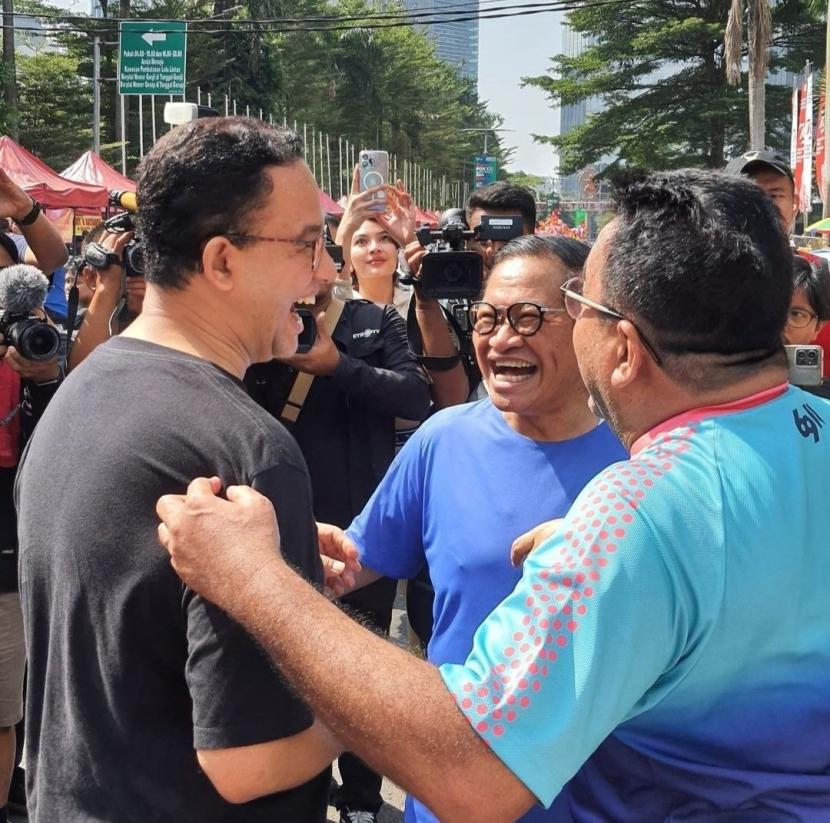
(219, 546)
(525, 543)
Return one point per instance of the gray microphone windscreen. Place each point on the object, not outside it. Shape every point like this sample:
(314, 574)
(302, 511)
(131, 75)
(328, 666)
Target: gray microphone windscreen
(22, 288)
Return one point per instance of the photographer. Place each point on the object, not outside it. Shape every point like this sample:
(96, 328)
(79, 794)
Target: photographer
(26, 387)
(371, 241)
(103, 288)
(809, 308)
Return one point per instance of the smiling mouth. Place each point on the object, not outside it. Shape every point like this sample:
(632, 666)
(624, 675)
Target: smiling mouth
(514, 371)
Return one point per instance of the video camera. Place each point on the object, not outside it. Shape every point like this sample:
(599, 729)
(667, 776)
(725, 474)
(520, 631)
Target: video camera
(22, 290)
(449, 271)
(120, 223)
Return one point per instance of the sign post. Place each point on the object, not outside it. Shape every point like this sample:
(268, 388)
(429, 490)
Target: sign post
(486, 169)
(152, 57)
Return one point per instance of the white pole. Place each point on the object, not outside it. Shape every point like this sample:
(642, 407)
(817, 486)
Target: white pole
(305, 140)
(227, 106)
(123, 137)
(339, 166)
(141, 125)
(198, 95)
(234, 107)
(328, 163)
(209, 100)
(96, 95)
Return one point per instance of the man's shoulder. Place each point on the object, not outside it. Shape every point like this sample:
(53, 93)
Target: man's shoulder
(464, 420)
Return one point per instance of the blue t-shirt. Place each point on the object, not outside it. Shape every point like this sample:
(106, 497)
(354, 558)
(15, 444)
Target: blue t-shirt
(670, 645)
(461, 490)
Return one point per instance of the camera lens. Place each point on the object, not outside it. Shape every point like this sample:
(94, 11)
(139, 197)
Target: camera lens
(35, 340)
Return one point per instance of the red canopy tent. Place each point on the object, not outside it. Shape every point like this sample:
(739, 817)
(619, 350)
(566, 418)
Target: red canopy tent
(48, 188)
(330, 206)
(90, 168)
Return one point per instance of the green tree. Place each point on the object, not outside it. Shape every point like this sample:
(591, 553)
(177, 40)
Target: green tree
(659, 69)
(54, 108)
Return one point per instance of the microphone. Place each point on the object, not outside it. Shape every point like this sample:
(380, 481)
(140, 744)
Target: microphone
(127, 200)
(22, 289)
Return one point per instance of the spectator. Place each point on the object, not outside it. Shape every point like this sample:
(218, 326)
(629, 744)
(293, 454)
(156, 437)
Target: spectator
(771, 171)
(161, 708)
(809, 308)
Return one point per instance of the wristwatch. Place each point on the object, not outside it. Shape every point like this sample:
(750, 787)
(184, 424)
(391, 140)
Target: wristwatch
(31, 216)
(100, 258)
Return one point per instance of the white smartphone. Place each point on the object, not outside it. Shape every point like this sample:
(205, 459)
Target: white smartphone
(806, 365)
(374, 171)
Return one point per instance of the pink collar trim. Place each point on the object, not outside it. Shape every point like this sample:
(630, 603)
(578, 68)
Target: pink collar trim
(695, 415)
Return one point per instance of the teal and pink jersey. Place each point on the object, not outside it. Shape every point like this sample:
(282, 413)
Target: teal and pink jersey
(666, 655)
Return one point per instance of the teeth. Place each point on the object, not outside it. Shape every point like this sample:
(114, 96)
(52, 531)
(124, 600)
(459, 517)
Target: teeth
(513, 378)
(307, 301)
(513, 364)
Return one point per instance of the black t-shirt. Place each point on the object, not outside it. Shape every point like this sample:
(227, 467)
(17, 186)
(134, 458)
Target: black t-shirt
(129, 670)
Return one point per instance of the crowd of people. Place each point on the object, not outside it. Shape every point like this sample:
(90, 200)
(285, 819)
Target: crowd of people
(601, 488)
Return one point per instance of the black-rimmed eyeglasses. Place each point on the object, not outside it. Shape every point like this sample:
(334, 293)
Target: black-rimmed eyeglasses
(525, 318)
(316, 245)
(576, 303)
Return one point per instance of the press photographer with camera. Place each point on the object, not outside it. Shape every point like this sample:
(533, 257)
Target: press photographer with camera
(29, 376)
(110, 292)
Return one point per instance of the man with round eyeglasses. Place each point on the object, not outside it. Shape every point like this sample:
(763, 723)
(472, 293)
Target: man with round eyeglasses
(446, 499)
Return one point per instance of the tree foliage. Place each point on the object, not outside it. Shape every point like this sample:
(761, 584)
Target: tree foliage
(380, 88)
(658, 67)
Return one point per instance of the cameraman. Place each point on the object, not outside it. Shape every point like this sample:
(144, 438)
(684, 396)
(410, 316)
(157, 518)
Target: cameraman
(26, 386)
(101, 291)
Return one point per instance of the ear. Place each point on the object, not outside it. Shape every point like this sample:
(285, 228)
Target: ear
(631, 355)
(220, 263)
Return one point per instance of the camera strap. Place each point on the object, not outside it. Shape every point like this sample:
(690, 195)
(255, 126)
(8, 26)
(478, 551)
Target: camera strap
(302, 382)
(71, 317)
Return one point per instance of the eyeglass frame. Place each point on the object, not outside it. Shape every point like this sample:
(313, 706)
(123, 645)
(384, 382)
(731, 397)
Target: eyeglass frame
(811, 315)
(317, 245)
(503, 313)
(608, 312)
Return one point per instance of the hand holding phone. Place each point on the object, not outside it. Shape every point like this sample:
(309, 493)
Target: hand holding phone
(373, 168)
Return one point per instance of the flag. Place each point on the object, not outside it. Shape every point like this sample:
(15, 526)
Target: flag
(805, 193)
(821, 146)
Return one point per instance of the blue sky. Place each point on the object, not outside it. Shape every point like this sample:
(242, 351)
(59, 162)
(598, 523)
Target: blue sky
(509, 49)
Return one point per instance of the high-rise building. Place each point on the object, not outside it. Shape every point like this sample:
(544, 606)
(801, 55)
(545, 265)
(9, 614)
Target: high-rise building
(456, 42)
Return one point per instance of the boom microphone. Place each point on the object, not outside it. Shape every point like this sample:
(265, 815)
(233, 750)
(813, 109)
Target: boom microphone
(22, 289)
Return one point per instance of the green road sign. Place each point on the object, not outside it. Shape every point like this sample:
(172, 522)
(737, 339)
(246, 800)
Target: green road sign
(151, 57)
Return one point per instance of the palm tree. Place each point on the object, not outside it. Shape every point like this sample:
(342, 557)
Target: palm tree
(759, 32)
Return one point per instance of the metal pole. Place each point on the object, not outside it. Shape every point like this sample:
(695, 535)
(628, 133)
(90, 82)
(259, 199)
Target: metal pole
(260, 114)
(198, 95)
(322, 167)
(328, 163)
(96, 95)
(123, 137)
(340, 167)
(247, 111)
(234, 107)
(209, 102)
(227, 106)
(141, 125)
(153, 100)
(305, 141)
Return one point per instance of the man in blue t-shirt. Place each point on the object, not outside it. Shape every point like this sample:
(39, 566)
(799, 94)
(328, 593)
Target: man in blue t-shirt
(666, 653)
(445, 499)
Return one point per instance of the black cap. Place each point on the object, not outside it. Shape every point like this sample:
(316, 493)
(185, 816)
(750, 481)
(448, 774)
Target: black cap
(751, 160)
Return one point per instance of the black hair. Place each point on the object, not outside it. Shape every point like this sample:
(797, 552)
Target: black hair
(700, 260)
(504, 196)
(571, 253)
(202, 179)
(814, 278)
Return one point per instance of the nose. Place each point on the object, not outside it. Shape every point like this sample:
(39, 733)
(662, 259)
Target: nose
(326, 272)
(504, 337)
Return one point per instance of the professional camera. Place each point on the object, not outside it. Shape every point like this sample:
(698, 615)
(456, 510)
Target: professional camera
(133, 253)
(449, 271)
(22, 290)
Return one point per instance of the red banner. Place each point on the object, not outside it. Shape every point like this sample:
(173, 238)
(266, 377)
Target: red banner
(797, 145)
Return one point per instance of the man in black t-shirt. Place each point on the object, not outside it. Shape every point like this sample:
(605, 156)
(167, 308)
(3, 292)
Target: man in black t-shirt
(129, 671)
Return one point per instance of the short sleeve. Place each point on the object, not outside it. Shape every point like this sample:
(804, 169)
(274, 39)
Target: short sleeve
(389, 531)
(590, 628)
(239, 699)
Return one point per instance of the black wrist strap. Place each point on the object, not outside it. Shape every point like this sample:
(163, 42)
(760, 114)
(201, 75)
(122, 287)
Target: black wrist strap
(31, 216)
(439, 363)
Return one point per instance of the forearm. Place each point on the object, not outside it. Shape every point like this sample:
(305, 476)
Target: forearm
(95, 328)
(381, 702)
(399, 392)
(248, 772)
(450, 387)
(46, 248)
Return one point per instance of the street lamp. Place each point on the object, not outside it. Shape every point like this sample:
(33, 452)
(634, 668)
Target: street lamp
(486, 132)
